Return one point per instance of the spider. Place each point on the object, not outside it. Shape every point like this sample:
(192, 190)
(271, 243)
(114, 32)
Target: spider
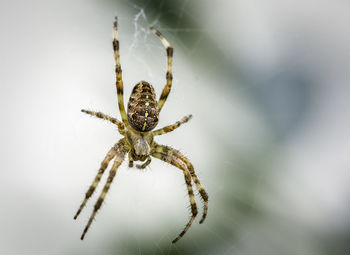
(136, 125)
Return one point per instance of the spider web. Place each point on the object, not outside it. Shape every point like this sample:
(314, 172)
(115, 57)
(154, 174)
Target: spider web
(267, 137)
(217, 168)
(239, 169)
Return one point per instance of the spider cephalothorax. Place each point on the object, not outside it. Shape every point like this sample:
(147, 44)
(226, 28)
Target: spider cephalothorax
(136, 125)
(140, 144)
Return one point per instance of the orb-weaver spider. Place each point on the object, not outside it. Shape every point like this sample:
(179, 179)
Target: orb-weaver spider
(141, 117)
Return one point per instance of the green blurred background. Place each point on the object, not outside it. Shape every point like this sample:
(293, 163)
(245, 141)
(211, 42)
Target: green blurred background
(267, 83)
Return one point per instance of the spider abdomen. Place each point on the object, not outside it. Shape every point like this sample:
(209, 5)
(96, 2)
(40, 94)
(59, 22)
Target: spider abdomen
(143, 107)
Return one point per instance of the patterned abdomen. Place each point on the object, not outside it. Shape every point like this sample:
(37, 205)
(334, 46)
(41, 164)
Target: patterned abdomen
(142, 107)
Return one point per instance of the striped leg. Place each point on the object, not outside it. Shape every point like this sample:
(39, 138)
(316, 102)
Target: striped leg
(199, 186)
(118, 71)
(170, 128)
(121, 152)
(179, 164)
(106, 117)
(110, 155)
(169, 74)
(179, 155)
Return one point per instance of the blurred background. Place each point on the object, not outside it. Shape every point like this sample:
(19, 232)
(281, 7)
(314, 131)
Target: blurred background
(266, 81)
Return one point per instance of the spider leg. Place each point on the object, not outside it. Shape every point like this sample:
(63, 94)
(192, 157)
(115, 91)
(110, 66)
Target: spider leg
(143, 166)
(171, 159)
(118, 71)
(169, 74)
(121, 152)
(131, 160)
(172, 127)
(106, 117)
(180, 156)
(199, 186)
(110, 155)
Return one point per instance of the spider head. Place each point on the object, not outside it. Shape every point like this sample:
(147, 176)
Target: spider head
(143, 110)
(141, 147)
(140, 144)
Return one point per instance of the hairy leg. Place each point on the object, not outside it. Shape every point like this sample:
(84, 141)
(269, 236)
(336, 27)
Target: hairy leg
(179, 155)
(118, 71)
(199, 186)
(169, 74)
(179, 164)
(121, 149)
(110, 155)
(106, 117)
(172, 127)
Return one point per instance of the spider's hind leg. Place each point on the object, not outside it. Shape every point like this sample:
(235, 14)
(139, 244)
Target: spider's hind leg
(169, 73)
(172, 127)
(106, 117)
(118, 71)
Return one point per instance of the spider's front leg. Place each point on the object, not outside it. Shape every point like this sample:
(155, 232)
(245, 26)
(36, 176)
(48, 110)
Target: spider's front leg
(121, 149)
(181, 157)
(171, 159)
(110, 155)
